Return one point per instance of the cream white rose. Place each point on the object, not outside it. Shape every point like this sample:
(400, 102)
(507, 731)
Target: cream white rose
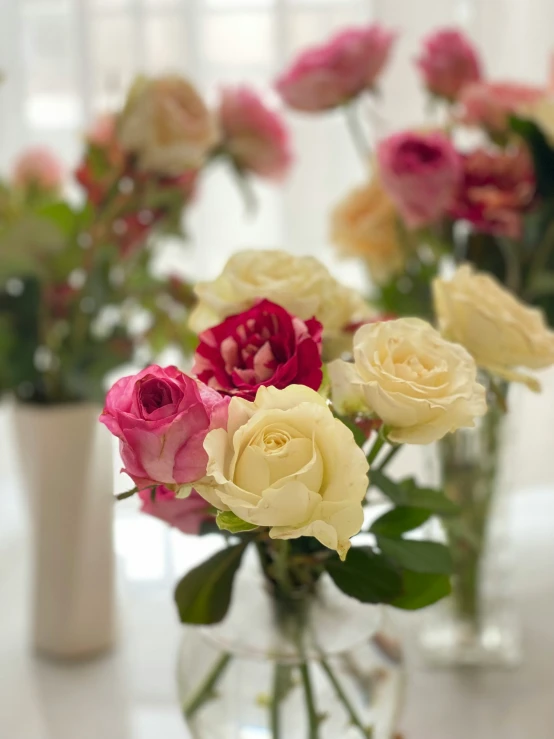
(499, 331)
(285, 462)
(167, 125)
(420, 385)
(301, 285)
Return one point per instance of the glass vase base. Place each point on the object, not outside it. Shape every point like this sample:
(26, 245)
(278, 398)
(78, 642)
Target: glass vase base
(462, 644)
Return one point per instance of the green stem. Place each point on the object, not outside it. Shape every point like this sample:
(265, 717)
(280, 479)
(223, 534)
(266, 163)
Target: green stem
(353, 716)
(375, 449)
(313, 718)
(278, 677)
(511, 262)
(389, 456)
(282, 564)
(539, 263)
(356, 132)
(205, 691)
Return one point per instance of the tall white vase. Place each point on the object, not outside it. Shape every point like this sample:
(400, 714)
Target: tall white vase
(66, 464)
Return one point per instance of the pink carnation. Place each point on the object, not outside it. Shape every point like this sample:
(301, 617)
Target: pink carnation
(254, 135)
(497, 189)
(421, 173)
(161, 418)
(330, 75)
(38, 167)
(489, 104)
(449, 62)
(187, 514)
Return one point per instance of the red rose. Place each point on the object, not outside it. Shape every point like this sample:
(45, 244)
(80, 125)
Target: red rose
(265, 345)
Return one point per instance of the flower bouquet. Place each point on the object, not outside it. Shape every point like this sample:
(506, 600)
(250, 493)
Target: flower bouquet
(277, 449)
(79, 297)
(475, 187)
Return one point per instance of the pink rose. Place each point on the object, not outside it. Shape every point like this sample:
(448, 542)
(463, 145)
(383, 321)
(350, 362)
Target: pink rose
(330, 75)
(265, 345)
(497, 189)
(489, 104)
(449, 62)
(103, 132)
(38, 167)
(254, 136)
(187, 514)
(421, 173)
(161, 417)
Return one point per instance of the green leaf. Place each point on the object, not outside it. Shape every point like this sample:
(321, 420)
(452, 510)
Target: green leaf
(399, 520)
(420, 590)
(408, 493)
(366, 576)
(60, 214)
(417, 556)
(204, 593)
(543, 154)
(227, 521)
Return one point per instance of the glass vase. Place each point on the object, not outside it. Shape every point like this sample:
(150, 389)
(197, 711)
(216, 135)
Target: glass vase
(322, 668)
(477, 624)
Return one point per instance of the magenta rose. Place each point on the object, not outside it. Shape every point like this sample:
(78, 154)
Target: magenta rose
(448, 63)
(161, 417)
(265, 345)
(421, 173)
(330, 75)
(254, 135)
(187, 514)
(497, 189)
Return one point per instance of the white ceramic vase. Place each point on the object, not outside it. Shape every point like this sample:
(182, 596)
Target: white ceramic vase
(67, 468)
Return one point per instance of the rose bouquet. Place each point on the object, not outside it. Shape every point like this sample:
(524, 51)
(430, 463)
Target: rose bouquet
(472, 188)
(76, 280)
(277, 449)
(81, 294)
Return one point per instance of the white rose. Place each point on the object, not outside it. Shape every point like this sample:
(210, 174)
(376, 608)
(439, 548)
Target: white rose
(499, 331)
(421, 386)
(167, 125)
(301, 285)
(285, 462)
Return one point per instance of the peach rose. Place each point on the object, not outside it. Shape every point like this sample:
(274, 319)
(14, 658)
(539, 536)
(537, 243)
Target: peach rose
(365, 224)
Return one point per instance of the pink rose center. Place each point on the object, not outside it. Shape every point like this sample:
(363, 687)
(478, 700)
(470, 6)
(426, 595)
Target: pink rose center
(158, 398)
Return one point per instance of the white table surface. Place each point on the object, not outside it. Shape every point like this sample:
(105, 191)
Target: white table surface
(130, 694)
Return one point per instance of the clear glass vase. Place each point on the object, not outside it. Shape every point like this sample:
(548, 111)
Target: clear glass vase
(477, 624)
(323, 669)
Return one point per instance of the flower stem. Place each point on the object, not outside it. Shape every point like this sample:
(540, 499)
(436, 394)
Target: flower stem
(354, 719)
(375, 449)
(313, 718)
(278, 679)
(389, 456)
(356, 132)
(205, 691)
